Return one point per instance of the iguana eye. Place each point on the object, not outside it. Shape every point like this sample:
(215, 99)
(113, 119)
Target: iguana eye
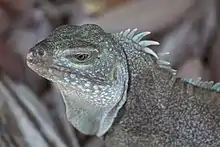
(80, 57)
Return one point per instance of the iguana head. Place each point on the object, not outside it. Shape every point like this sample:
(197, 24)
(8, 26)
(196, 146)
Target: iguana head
(91, 70)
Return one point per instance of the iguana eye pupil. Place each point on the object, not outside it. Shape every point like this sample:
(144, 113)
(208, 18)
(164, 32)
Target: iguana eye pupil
(81, 57)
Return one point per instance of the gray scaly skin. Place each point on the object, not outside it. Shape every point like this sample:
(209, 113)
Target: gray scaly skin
(114, 86)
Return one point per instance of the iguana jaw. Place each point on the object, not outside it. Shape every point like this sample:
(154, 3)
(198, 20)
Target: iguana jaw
(94, 113)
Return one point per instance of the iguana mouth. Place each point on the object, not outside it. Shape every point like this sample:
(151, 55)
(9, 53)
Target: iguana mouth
(60, 71)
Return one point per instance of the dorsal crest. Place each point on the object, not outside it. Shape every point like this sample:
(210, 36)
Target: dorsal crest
(144, 46)
(211, 85)
(138, 38)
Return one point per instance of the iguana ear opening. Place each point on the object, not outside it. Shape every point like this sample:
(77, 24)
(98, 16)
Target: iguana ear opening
(115, 73)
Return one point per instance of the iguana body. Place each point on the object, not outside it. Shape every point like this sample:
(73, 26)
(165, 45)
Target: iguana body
(116, 87)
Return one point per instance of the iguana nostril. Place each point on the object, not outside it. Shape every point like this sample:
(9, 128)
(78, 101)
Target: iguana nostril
(30, 60)
(32, 52)
(31, 57)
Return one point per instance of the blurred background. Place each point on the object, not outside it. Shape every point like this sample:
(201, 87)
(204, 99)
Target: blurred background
(31, 106)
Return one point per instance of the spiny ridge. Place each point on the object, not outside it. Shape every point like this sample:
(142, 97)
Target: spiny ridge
(204, 84)
(131, 34)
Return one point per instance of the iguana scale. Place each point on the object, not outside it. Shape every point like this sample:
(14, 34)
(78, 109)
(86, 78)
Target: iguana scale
(115, 87)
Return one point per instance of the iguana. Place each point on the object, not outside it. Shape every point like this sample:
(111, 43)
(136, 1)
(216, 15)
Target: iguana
(115, 87)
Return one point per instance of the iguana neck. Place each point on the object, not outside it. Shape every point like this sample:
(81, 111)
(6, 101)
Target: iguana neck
(151, 79)
(145, 75)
